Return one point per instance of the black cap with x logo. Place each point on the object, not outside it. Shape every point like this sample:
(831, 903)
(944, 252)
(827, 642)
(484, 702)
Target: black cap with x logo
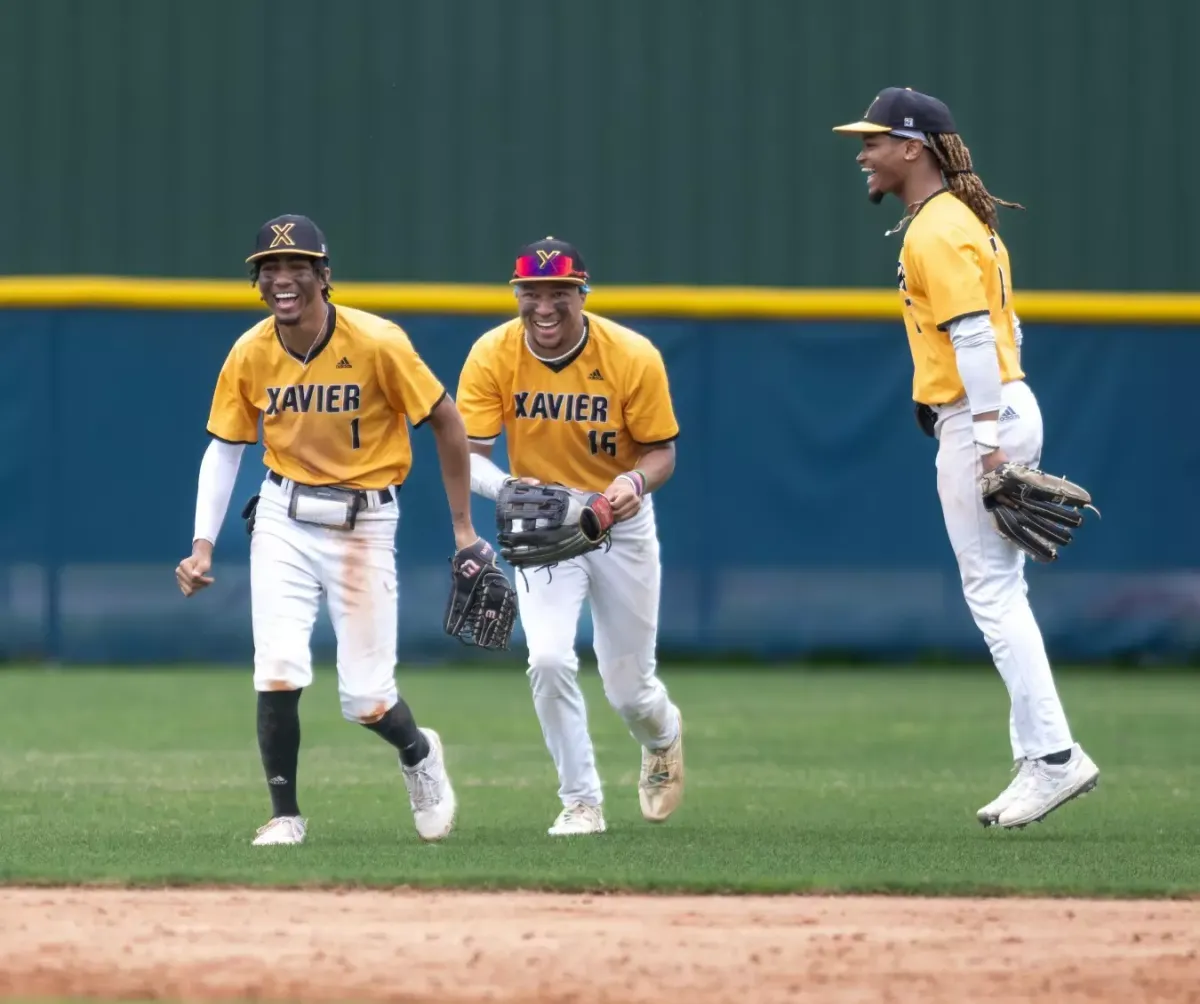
(289, 235)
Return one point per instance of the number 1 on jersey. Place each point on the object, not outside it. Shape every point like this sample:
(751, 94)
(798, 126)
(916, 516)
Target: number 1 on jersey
(606, 441)
(354, 441)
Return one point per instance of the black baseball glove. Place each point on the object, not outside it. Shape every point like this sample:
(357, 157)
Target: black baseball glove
(482, 608)
(1036, 511)
(926, 419)
(541, 525)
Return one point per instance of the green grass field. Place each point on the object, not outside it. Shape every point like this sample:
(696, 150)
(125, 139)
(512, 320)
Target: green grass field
(847, 780)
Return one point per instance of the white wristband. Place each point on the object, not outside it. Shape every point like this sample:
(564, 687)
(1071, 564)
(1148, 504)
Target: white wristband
(633, 483)
(987, 436)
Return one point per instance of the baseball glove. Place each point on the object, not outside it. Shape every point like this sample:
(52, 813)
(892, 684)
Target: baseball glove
(541, 525)
(926, 419)
(482, 607)
(1036, 511)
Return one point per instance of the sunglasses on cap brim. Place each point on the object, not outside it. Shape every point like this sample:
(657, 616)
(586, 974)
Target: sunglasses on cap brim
(560, 267)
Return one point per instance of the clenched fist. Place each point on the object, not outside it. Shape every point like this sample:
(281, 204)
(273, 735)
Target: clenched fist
(192, 573)
(626, 502)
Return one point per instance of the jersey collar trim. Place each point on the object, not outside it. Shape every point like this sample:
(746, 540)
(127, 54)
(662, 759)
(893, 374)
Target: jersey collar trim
(562, 362)
(317, 349)
(928, 199)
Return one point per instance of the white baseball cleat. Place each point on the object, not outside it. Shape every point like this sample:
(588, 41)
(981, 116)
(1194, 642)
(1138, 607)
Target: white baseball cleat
(991, 812)
(1049, 786)
(281, 830)
(430, 793)
(578, 819)
(660, 789)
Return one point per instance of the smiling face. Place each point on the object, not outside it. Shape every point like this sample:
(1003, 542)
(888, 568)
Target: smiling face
(553, 314)
(291, 285)
(887, 162)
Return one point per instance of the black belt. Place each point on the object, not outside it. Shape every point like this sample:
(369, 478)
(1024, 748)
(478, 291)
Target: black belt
(384, 495)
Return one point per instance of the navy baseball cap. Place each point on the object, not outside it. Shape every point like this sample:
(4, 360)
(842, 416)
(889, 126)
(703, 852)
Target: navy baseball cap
(549, 260)
(903, 110)
(289, 235)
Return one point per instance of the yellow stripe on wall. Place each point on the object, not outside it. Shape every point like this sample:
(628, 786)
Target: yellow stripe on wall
(645, 301)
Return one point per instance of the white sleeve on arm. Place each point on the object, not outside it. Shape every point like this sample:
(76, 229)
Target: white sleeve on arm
(978, 364)
(218, 472)
(486, 478)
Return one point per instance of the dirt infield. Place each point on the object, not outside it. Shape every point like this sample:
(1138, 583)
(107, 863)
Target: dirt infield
(455, 948)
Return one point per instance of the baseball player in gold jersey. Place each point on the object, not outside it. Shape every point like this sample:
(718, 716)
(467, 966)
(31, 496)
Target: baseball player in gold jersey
(956, 294)
(583, 402)
(333, 388)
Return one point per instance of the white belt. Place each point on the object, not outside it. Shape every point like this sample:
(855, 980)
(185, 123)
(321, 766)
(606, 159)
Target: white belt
(370, 499)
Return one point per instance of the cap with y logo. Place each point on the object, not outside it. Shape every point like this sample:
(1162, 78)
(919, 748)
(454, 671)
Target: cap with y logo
(289, 235)
(549, 260)
(902, 108)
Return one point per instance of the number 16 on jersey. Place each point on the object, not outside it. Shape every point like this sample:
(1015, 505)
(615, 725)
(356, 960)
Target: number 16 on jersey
(602, 442)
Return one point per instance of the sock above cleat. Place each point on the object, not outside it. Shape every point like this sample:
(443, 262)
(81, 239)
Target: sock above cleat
(400, 729)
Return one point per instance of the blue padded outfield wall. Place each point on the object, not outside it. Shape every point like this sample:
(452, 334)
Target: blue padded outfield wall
(803, 518)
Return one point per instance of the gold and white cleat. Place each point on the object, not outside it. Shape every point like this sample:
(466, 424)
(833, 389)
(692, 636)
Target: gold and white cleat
(577, 820)
(660, 789)
(281, 830)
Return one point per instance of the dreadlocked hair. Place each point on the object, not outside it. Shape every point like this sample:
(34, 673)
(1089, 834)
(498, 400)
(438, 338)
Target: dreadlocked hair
(955, 161)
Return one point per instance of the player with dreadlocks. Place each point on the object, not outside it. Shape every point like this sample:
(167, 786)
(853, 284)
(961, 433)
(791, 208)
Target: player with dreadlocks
(954, 163)
(971, 396)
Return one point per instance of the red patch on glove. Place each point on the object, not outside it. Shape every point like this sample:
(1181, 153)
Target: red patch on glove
(602, 507)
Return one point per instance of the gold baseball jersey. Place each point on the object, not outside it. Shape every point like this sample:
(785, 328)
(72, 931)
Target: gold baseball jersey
(580, 421)
(340, 418)
(952, 266)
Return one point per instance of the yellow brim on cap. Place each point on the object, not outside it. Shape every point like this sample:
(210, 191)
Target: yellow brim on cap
(278, 251)
(860, 127)
(549, 278)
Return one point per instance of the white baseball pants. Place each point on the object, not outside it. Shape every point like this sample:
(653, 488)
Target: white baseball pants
(622, 587)
(993, 569)
(291, 565)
